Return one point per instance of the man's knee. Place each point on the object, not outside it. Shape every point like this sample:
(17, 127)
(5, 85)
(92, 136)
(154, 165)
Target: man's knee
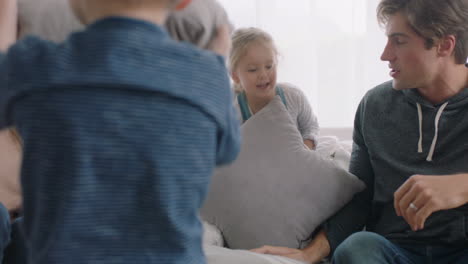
(359, 247)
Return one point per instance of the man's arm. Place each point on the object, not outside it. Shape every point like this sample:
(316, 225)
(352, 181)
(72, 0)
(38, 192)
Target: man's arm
(356, 214)
(422, 195)
(8, 23)
(317, 250)
(11, 191)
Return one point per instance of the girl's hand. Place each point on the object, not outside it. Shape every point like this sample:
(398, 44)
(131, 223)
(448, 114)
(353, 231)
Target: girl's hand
(310, 144)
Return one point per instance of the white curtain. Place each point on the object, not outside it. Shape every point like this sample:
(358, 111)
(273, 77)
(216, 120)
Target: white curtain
(329, 48)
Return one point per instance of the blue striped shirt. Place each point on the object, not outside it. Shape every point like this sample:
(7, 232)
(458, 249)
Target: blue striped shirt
(122, 128)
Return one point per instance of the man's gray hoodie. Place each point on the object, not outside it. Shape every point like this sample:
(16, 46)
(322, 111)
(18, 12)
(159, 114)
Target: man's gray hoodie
(397, 134)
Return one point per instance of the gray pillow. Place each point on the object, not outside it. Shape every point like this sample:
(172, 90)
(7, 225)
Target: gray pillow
(277, 191)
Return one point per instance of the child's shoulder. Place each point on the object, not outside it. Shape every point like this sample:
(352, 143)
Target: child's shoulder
(139, 39)
(191, 54)
(27, 52)
(291, 89)
(31, 45)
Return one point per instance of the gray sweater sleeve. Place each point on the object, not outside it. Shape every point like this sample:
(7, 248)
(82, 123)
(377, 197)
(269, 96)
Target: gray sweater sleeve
(300, 109)
(354, 216)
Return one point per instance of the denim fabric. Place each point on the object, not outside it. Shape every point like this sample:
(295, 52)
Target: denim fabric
(368, 247)
(15, 252)
(5, 230)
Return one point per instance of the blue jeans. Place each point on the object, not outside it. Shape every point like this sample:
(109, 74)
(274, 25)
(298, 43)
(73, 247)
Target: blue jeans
(16, 253)
(369, 248)
(12, 246)
(5, 230)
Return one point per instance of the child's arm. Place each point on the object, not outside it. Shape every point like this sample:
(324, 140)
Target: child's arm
(8, 23)
(306, 120)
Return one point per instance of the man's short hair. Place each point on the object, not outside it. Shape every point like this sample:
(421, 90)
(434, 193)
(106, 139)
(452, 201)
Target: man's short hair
(432, 20)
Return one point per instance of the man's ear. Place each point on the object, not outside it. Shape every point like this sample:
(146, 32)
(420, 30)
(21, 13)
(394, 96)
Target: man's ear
(446, 45)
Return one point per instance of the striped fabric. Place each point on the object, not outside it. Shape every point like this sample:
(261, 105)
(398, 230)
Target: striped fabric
(122, 128)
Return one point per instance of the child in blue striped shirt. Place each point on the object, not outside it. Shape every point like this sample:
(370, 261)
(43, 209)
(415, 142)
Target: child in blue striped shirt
(122, 127)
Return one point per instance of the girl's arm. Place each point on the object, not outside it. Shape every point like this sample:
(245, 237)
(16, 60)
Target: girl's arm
(306, 120)
(8, 23)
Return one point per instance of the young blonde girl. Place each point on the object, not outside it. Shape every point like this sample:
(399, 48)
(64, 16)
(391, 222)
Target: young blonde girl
(253, 64)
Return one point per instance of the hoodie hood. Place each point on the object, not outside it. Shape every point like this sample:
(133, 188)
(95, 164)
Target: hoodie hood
(455, 102)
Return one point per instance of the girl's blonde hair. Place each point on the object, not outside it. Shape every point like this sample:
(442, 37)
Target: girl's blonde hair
(241, 39)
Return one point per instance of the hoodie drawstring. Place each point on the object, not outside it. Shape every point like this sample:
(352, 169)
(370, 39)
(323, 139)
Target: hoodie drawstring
(420, 150)
(436, 124)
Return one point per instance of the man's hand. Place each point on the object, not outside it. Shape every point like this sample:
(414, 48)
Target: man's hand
(318, 249)
(422, 195)
(282, 251)
(10, 160)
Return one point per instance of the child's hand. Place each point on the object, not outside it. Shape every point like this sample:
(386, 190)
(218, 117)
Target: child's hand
(221, 44)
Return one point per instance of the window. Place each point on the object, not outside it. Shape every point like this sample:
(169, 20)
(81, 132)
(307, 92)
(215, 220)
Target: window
(329, 48)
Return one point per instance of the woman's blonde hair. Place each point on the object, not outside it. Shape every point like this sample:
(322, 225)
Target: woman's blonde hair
(241, 39)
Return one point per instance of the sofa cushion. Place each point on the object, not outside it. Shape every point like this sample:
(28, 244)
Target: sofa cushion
(277, 191)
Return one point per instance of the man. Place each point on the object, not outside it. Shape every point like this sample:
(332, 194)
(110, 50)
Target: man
(410, 147)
